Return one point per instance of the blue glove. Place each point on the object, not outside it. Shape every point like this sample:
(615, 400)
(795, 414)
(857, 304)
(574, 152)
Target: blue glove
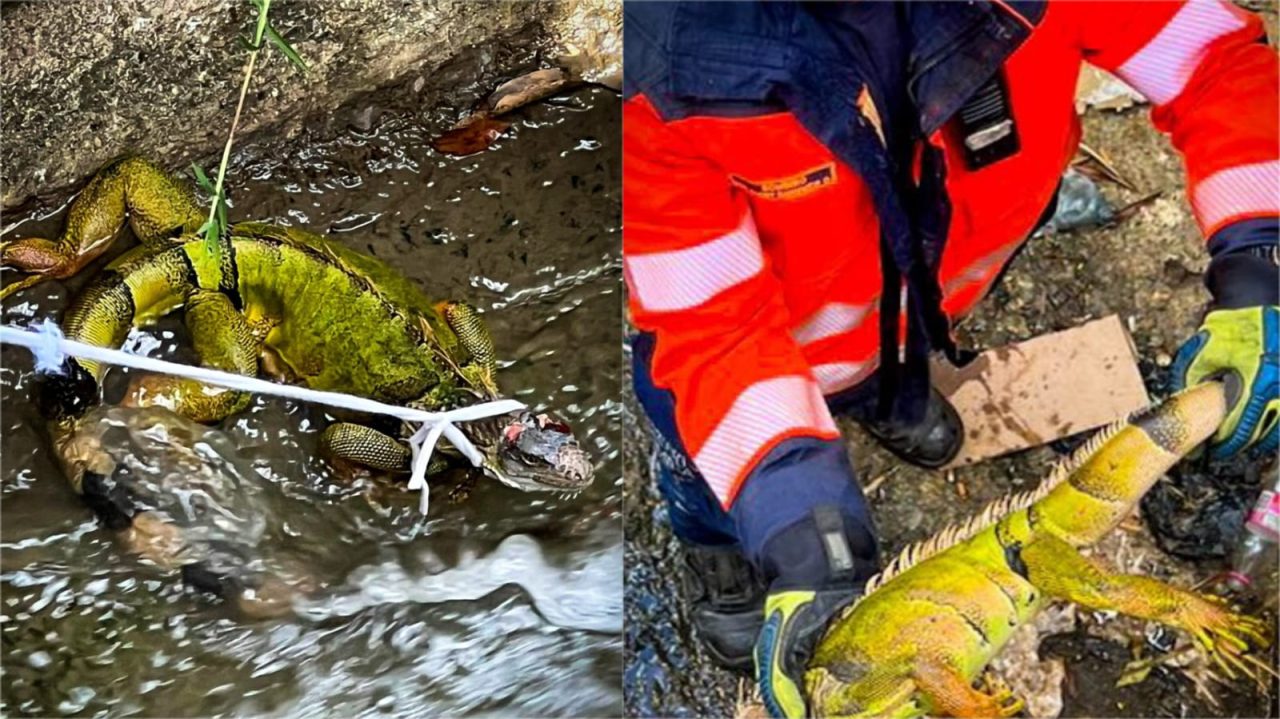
(1242, 347)
(1239, 339)
(793, 623)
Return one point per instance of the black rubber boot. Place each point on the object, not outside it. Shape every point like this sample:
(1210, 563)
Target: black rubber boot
(726, 603)
(930, 444)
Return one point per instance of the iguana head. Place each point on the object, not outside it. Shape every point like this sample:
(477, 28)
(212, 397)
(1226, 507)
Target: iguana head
(531, 452)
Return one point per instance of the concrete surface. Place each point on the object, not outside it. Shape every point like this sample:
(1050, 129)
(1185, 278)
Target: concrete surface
(83, 81)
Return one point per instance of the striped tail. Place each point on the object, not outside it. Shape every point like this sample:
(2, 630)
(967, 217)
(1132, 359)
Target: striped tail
(115, 302)
(1102, 489)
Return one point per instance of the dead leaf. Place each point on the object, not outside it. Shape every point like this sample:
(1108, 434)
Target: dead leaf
(472, 135)
(1097, 165)
(1135, 672)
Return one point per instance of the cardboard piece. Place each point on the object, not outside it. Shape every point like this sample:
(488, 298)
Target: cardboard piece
(1046, 388)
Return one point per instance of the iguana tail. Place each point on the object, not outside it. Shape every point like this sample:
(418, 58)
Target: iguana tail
(1099, 492)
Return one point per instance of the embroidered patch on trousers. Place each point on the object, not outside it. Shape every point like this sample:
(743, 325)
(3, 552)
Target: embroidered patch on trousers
(791, 187)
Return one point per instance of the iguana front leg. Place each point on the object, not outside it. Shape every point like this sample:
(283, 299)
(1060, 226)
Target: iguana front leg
(157, 205)
(1058, 570)
(951, 694)
(473, 335)
(367, 447)
(224, 341)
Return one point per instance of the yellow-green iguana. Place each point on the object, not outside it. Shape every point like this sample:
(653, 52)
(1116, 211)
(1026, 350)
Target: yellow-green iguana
(928, 625)
(273, 299)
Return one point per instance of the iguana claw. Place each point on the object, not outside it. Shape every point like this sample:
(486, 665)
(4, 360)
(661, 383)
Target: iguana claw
(1002, 695)
(1226, 637)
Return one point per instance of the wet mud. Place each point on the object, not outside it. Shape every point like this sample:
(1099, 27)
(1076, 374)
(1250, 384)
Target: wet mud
(1147, 269)
(501, 601)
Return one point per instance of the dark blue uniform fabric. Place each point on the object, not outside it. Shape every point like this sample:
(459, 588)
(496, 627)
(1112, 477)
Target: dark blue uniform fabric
(695, 513)
(778, 497)
(1243, 271)
(1260, 232)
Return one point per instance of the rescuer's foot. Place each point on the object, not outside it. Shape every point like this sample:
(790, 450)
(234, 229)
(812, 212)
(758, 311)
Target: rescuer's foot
(930, 444)
(726, 603)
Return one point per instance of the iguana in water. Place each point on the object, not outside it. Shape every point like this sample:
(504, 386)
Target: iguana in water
(927, 626)
(310, 311)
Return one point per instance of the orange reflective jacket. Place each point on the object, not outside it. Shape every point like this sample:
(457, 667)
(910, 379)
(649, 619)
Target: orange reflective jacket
(751, 249)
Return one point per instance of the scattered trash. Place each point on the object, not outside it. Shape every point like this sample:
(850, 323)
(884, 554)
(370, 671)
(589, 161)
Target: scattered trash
(1253, 558)
(1198, 513)
(1081, 205)
(1101, 90)
(1096, 165)
(1038, 681)
(1043, 389)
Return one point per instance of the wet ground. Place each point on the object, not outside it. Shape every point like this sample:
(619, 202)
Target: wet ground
(505, 602)
(1146, 269)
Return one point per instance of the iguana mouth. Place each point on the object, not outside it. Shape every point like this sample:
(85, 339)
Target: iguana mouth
(532, 452)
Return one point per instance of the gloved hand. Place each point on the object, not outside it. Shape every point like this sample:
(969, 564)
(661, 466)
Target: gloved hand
(1241, 346)
(793, 624)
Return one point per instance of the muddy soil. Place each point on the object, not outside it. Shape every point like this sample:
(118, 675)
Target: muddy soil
(505, 602)
(1147, 269)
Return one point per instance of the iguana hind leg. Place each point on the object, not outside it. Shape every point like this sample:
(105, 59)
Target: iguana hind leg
(950, 693)
(224, 341)
(1057, 569)
(157, 205)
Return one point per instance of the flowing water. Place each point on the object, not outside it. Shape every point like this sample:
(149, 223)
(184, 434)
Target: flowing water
(499, 602)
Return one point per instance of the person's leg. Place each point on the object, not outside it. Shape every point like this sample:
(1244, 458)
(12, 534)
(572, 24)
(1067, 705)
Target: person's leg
(696, 515)
(725, 596)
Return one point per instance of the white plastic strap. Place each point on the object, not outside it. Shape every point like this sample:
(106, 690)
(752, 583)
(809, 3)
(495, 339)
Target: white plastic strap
(50, 348)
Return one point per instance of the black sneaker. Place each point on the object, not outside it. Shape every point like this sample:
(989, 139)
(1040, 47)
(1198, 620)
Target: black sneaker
(726, 603)
(930, 444)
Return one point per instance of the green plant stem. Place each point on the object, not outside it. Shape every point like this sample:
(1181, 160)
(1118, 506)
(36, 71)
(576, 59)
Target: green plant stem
(235, 120)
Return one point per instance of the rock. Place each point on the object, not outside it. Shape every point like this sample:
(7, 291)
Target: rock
(363, 120)
(115, 85)
(590, 39)
(39, 660)
(1037, 681)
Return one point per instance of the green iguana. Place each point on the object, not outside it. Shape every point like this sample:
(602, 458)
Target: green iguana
(928, 625)
(311, 311)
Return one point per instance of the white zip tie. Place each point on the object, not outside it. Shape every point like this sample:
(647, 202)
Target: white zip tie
(51, 348)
